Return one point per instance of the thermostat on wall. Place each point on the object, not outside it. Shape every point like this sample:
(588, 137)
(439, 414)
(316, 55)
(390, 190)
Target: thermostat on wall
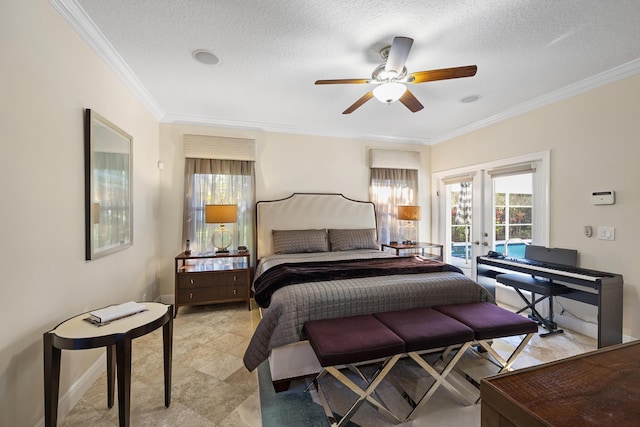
(603, 197)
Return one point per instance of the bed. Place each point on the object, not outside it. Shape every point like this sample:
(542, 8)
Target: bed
(318, 257)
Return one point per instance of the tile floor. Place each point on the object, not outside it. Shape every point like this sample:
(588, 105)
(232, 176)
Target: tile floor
(211, 387)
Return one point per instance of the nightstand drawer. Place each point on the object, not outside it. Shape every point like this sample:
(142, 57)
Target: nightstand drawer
(212, 278)
(232, 278)
(213, 293)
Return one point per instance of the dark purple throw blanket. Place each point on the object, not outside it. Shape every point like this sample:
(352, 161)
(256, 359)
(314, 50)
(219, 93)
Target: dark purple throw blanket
(301, 272)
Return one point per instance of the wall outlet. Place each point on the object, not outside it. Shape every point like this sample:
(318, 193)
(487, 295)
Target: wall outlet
(606, 233)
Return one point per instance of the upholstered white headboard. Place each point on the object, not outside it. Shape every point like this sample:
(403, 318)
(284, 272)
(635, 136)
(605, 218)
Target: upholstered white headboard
(302, 211)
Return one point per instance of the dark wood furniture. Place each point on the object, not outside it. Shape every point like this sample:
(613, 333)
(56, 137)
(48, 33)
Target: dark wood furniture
(78, 334)
(416, 247)
(592, 389)
(600, 289)
(212, 278)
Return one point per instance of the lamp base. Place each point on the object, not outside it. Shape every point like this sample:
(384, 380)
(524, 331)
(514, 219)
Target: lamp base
(409, 233)
(221, 239)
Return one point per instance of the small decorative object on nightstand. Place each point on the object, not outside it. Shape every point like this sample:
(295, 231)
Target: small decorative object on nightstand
(212, 278)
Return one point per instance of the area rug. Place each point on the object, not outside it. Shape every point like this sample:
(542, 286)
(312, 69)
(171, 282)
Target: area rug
(295, 407)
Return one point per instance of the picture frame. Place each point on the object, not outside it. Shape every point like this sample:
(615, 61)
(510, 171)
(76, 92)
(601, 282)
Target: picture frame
(108, 186)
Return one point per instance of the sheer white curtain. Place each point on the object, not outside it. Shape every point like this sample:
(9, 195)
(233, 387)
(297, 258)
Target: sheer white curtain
(212, 182)
(390, 188)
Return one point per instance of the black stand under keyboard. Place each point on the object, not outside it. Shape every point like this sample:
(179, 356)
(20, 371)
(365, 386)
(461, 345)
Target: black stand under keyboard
(542, 287)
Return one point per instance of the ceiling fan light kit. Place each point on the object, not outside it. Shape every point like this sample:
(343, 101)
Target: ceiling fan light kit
(389, 92)
(392, 76)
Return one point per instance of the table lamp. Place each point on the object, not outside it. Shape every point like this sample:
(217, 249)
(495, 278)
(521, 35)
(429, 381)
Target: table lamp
(221, 214)
(409, 231)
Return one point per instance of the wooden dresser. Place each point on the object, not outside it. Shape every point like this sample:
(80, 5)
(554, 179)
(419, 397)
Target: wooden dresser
(599, 388)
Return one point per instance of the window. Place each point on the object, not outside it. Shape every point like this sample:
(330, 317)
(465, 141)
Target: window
(212, 181)
(389, 189)
(513, 213)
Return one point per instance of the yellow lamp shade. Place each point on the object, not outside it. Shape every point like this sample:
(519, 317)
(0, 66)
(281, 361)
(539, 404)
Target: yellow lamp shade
(220, 214)
(409, 213)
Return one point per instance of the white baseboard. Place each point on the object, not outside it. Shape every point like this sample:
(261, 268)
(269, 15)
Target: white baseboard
(79, 388)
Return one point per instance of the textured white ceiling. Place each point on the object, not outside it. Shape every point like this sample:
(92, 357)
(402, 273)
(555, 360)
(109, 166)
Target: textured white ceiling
(528, 53)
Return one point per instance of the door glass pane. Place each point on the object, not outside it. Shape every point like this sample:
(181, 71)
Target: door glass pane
(460, 223)
(513, 213)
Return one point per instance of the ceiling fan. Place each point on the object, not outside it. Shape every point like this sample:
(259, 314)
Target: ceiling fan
(392, 76)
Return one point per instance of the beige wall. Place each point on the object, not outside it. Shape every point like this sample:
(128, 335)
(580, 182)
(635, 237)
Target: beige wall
(47, 76)
(285, 164)
(594, 143)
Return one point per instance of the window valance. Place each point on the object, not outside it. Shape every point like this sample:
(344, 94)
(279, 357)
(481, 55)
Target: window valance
(394, 159)
(518, 169)
(219, 147)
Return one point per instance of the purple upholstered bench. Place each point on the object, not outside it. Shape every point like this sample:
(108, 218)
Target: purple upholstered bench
(489, 321)
(424, 329)
(389, 335)
(349, 340)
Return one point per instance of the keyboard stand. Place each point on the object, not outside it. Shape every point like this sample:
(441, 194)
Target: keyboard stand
(547, 289)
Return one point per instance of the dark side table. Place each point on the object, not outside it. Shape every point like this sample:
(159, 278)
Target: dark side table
(414, 247)
(78, 334)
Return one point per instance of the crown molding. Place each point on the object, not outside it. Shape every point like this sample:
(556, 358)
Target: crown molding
(75, 16)
(618, 73)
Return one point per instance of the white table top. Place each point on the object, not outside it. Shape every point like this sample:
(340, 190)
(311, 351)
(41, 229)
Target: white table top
(78, 328)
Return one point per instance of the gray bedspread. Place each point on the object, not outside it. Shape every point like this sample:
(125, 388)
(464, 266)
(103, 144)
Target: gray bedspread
(292, 306)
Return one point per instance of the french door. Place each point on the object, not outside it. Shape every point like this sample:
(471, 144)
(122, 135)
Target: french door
(500, 206)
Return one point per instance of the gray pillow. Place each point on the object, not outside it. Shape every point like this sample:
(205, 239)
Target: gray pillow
(350, 239)
(297, 241)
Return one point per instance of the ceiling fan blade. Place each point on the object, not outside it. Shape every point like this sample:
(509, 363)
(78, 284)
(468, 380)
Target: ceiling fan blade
(398, 54)
(442, 74)
(367, 96)
(343, 82)
(410, 101)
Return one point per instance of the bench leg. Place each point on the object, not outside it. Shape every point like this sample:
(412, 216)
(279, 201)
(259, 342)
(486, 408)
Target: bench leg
(363, 394)
(440, 378)
(505, 365)
(535, 315)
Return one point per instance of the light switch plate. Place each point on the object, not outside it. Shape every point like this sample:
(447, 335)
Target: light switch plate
(606, 233)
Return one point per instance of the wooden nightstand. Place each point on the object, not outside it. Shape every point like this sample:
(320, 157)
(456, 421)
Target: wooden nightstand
(212, 278)
(397, 247)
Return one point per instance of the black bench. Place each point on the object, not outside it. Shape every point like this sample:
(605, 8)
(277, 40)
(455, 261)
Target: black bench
(388, 336)
(544, 288)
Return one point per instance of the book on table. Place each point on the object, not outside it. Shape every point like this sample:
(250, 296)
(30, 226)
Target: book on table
(114, 312)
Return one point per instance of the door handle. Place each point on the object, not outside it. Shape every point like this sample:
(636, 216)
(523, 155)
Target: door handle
(483, 243)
